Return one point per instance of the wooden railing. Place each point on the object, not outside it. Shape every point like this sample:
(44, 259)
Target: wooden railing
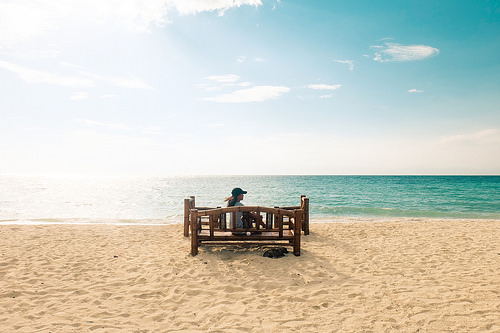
(304, 206)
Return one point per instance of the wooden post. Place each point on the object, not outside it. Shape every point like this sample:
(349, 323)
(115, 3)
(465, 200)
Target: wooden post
(297, 231)
(194, 232)
(280, 224)
(186, 217)
(304, 205)
(211, 224)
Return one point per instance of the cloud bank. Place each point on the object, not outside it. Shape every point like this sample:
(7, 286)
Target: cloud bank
(24, 20)
(196, 6)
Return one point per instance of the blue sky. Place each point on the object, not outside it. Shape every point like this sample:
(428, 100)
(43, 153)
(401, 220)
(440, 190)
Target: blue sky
(249, 87)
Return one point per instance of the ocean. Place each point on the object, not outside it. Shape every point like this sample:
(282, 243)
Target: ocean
(159, 200)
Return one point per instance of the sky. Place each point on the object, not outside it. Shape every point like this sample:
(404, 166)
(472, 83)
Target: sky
(244, 87)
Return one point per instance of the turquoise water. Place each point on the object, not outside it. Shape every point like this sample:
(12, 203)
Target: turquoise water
(34, 199)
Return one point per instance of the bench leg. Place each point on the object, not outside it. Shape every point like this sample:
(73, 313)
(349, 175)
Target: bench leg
(296, 233)
(186, 217)
(194, 245)
(186, 228)
(194, 234)
(296, 248)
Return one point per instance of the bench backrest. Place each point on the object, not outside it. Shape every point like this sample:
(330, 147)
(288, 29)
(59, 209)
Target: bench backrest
(273, 219)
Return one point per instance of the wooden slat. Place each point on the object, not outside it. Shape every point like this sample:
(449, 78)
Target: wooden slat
(211, 225)
(269, 220)
(255, 234)
(223, 221)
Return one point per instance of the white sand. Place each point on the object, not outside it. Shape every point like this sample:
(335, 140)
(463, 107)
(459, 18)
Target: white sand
(426, 276)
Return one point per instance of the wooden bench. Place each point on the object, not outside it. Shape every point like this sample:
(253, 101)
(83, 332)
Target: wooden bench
(211, 226)
(190, 203)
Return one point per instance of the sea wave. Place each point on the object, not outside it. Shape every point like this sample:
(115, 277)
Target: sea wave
(326, 211)
(91, 221)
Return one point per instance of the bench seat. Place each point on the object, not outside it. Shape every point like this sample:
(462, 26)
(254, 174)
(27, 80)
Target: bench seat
(255, 235)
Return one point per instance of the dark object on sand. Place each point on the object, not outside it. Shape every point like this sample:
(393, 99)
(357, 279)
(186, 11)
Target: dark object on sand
(275, 252)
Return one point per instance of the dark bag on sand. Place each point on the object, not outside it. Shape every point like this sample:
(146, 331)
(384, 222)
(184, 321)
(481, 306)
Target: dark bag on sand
(275, 252)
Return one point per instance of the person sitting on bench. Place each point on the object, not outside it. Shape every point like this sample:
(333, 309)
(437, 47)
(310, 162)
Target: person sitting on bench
(242, 222)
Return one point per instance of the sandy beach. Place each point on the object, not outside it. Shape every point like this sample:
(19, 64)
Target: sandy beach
(382, 276)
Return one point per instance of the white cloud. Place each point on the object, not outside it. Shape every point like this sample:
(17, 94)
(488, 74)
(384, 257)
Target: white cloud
(83, 80)
(197, 6)
(324, 86)
(243, 58)
(483, 137)
(208, 87)
(152, 130)
(224, 78)
(78, 96)
(254, 94)
(222, 81)
(31, 54)
(37, 76)
(70, 65)
(23, 20)
(109, 96)
(415, 91)
(349, 63)
(129, 82)
(397, 52)
(111, 126)
(136, 15)
(243, 84)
